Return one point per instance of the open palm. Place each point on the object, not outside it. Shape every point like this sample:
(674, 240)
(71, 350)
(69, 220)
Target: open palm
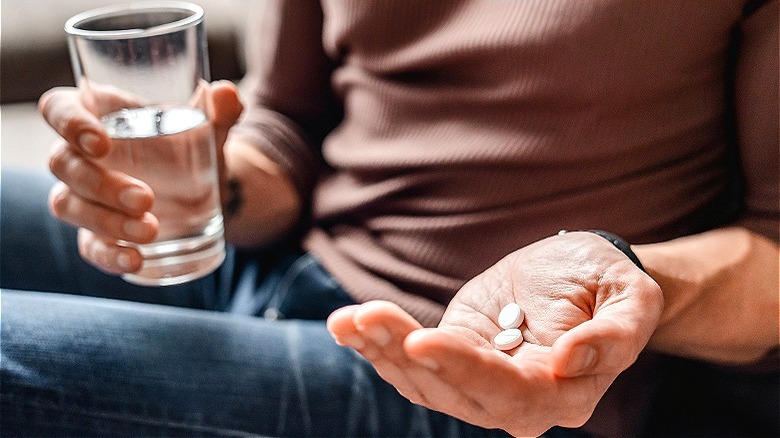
(589, 312)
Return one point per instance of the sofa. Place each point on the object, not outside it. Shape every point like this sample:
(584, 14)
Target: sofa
(34, 57)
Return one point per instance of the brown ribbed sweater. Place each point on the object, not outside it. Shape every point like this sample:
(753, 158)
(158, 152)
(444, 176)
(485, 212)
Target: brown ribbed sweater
(472, 128)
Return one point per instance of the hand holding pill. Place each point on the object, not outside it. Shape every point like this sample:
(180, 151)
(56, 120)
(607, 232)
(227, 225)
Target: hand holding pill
(586, 312)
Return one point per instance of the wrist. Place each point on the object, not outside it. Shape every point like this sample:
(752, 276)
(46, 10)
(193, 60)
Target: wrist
(260, 202)
(728, 271)
(619, 243)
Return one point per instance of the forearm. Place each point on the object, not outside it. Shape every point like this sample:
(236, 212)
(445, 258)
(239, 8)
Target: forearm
(259, 201)
(721, 295)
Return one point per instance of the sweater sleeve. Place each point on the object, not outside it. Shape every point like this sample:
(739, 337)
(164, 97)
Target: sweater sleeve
(289, 105)
(756, 106)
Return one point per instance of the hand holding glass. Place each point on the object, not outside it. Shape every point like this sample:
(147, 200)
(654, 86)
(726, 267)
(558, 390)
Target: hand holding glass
(142, 68)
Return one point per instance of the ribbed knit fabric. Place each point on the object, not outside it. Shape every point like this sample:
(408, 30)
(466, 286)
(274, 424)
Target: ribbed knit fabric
(473, 128)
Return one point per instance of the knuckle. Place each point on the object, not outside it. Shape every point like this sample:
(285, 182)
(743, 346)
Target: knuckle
(103, 254)
(490, 421)
(579, 411)
(413, 395)
(59, 159)
(84, 177)
(70, 124)
(628, 342)
(82, 241)
(59, 200)
(86, 244)
(44, 103)
(105, 223)
(96, 252)
(579, 418)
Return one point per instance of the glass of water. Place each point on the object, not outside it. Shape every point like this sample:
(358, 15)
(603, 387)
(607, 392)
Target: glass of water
(142, 68)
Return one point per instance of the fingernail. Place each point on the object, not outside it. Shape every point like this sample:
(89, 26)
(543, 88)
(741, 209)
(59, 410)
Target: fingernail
(89, 141)
(133, 198)
(378, 334)
(427, 362)
(581, 358)
(124, 261)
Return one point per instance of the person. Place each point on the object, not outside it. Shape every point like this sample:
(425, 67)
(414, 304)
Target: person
(400, 173)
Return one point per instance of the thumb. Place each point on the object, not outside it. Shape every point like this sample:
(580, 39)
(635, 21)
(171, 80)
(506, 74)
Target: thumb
(224, 107)
(620, 328)
(603, 345)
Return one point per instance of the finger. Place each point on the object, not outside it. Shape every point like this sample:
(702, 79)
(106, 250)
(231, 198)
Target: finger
(106, 255)
(381, 323)
(381, 328)
(75, 210)
(63, 110)
(520, 391)
(621, 327)
(224, 108)
(456, 361)
(364, 328)
(599, 346)
(341, 326)
(427, 388)
(386, 324)
(99, 185)
(486, 381)
(225, 105)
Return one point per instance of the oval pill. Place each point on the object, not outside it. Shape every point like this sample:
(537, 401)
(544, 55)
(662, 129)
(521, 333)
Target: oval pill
(508, 339)
(511, 316)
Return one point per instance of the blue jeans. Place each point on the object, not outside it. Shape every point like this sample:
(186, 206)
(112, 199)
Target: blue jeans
(242, 352)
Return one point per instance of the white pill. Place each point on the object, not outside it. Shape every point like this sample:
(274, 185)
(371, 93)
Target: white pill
(508, 339)
(511, 316)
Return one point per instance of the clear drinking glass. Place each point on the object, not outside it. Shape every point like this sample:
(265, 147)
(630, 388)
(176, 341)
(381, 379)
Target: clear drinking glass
(141, 68)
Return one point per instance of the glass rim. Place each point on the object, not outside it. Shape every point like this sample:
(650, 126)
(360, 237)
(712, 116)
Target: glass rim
(195, 16)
